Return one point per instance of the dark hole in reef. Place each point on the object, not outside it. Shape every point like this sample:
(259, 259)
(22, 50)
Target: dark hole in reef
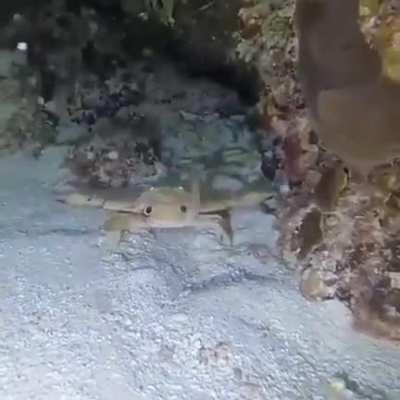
(47, 83)
(195, 58)
(244, 80)
(183, 209)
(107, 8)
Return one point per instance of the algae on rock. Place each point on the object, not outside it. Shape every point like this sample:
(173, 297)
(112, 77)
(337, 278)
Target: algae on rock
(381, 26)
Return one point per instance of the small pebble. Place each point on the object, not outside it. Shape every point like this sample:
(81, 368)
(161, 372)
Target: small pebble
(22, 46)
(113, 155)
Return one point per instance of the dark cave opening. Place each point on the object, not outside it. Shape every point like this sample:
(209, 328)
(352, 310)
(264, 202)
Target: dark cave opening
(193, 59)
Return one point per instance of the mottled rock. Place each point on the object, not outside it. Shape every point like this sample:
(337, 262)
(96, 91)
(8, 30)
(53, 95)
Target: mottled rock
(226, 183)
(313, 285)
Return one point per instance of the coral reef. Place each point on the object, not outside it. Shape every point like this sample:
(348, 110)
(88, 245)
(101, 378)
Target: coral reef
(267, 40)
(338, 232)
(349, 253)
(23, 120)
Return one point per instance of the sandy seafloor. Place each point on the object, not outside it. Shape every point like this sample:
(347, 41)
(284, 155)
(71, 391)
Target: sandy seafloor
(171, 315)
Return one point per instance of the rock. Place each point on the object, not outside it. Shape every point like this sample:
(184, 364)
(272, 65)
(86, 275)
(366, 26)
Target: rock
(313, 285)
(70, 133)
(241, 156)
(394, 279)
(189, 117)
(113, 155)
(270, 205)
(224, 183)
(337, 390)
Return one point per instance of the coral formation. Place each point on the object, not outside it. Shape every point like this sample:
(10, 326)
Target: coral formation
(339, 232)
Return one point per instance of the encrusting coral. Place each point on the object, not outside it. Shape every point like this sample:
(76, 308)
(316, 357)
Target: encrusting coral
(342, 234)
(353, 106)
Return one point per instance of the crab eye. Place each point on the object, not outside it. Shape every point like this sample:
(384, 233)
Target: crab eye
(183, 209)
(148, 210)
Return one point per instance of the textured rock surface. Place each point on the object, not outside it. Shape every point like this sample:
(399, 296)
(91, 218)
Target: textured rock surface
(173, 315)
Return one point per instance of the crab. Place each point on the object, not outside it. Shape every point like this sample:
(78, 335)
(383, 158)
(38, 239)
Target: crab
(170, 207)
